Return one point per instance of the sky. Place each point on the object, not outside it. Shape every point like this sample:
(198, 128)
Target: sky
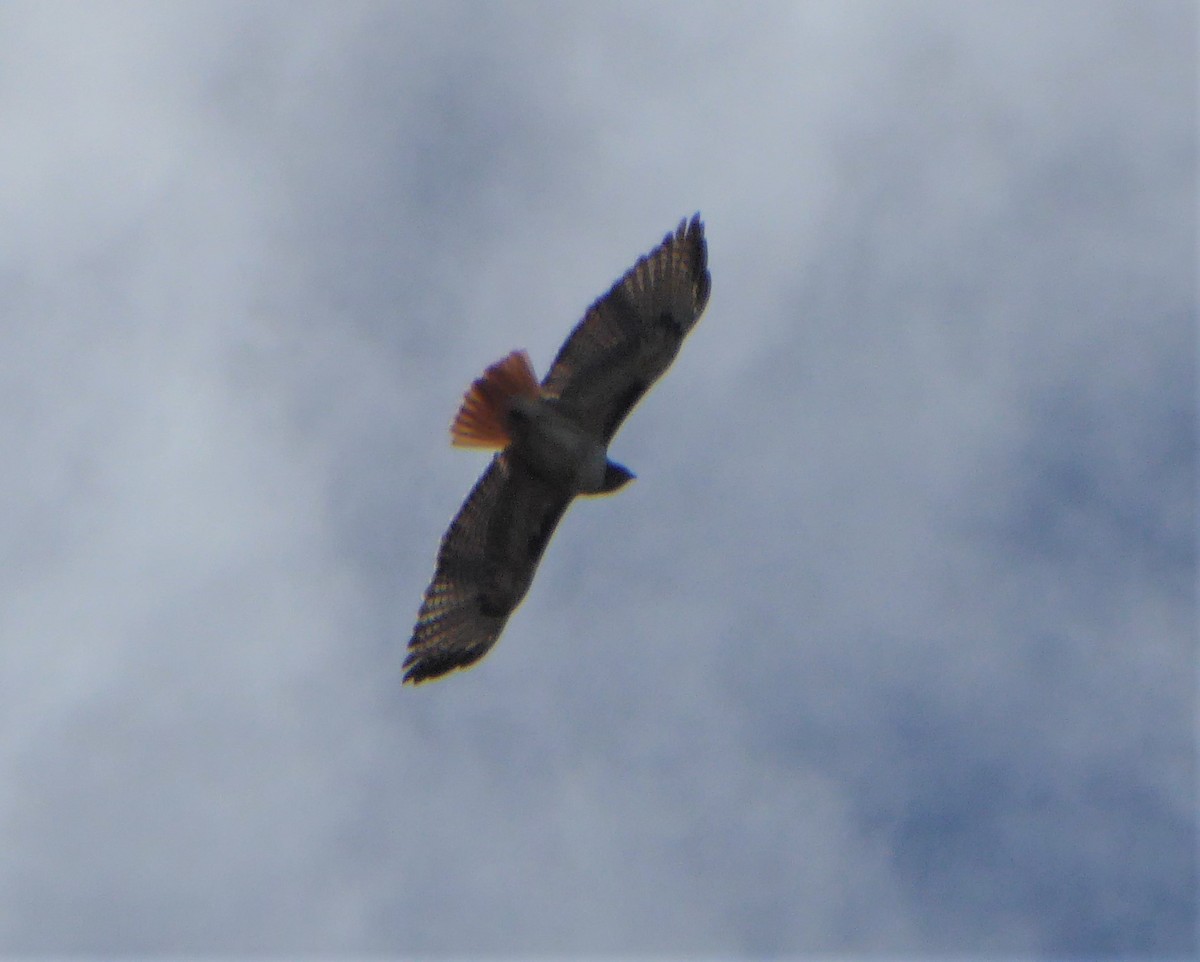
(888, 652)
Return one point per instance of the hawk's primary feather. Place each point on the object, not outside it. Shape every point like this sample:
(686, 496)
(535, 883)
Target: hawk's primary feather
(488, 557)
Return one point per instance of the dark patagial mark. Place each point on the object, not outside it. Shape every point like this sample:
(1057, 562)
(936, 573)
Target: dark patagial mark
(622, 403)
(494, 605)
(667, 319)
(536, 543)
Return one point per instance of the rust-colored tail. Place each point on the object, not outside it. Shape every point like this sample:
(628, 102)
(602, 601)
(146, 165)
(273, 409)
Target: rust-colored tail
(481, 421)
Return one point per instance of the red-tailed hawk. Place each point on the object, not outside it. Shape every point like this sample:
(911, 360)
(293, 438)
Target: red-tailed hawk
(553, 440)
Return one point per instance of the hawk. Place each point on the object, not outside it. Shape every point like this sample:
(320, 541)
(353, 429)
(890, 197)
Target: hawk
(553, 442)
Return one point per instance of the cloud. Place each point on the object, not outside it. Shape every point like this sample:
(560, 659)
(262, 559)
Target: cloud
(890, 648)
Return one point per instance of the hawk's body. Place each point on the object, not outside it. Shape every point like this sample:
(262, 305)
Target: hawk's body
(554, 439)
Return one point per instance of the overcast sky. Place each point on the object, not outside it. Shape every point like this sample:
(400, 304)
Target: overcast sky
(889, 650)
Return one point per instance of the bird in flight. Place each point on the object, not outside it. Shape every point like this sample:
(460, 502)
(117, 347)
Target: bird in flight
(552, 440)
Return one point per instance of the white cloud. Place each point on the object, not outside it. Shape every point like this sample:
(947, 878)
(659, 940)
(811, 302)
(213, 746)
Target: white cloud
(889, 648)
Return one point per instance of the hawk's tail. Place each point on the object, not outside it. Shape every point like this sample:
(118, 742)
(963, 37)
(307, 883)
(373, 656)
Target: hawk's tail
(482, 421)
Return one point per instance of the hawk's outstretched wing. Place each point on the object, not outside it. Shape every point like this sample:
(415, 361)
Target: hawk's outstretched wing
(484, 567)
(630, 336)
(625, 341)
